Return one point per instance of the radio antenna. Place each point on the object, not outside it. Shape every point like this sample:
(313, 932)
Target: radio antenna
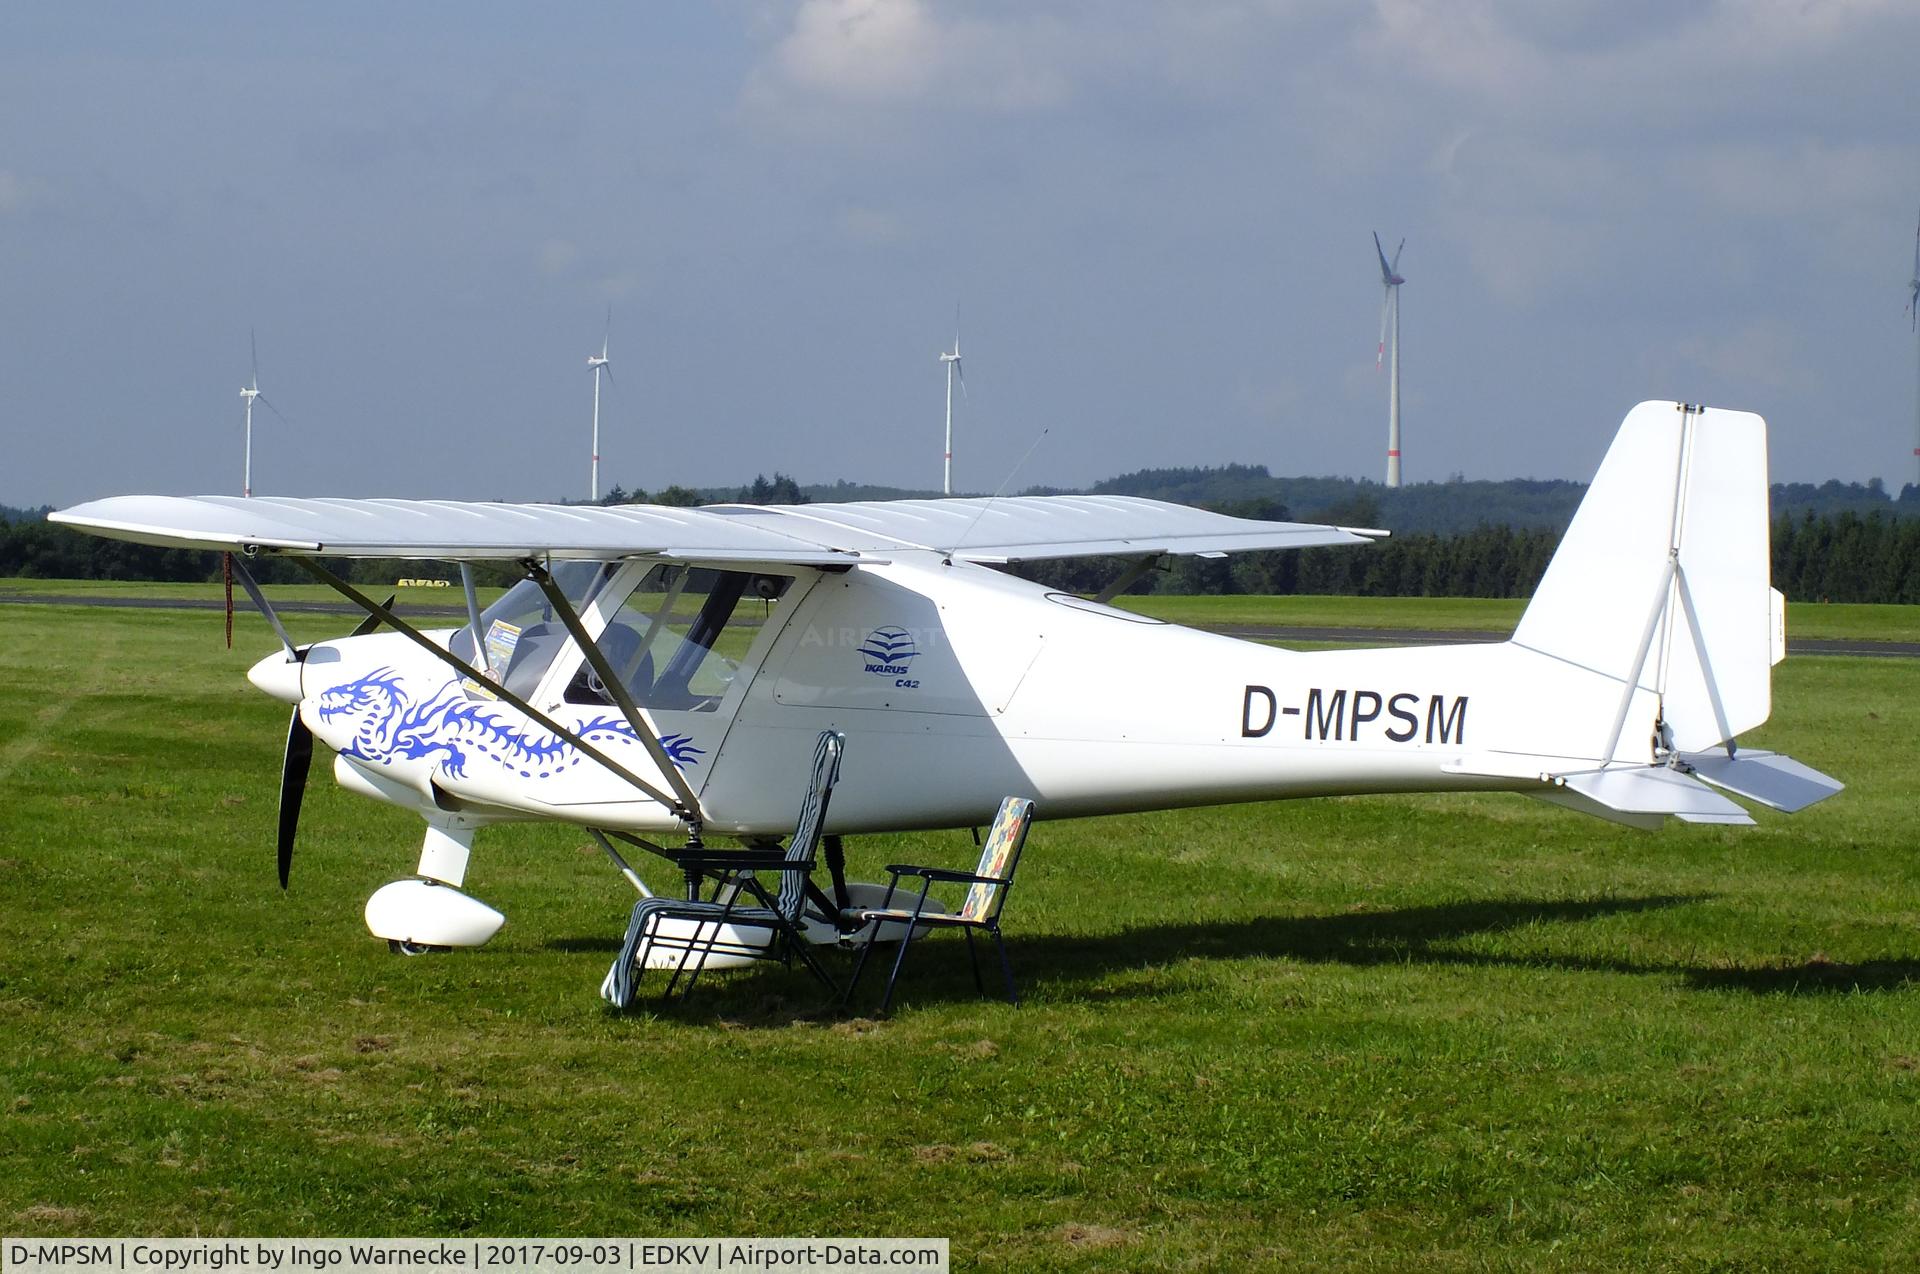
(988, 502)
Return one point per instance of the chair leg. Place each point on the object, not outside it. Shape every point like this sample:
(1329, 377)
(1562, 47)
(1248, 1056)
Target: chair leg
(860, 965)
(705, 948)
(1006, 966)
(973, 958)
(797, 944)
(906, 941)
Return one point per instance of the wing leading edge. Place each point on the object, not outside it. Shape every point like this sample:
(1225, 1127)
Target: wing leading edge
(988, 531)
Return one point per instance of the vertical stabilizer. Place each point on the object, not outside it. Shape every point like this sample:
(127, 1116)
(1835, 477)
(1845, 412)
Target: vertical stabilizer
(1662, 583)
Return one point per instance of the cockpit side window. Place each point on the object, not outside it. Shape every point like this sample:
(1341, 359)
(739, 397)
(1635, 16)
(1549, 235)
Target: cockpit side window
(681, 635)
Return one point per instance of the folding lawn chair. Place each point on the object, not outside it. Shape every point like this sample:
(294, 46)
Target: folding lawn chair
(991, 881)
(741, 914)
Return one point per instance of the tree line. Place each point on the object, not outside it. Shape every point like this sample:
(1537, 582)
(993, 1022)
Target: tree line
(1840, 557)
(1843, 557)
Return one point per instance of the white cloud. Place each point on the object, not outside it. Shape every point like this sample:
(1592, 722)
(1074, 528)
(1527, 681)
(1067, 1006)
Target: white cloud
(879, 53)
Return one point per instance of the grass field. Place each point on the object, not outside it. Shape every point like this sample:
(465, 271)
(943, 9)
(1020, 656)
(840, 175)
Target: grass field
(1804, 619)
(1446, 1033)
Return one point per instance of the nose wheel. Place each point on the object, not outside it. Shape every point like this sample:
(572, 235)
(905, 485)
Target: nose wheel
(418, 916)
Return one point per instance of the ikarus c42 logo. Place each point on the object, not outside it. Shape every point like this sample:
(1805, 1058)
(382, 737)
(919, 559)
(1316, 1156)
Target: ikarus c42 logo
(888, 652)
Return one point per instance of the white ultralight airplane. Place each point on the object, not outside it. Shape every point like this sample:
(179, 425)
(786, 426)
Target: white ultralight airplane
(663, 672)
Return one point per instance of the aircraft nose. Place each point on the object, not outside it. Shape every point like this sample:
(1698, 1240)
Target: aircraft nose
(278, 676)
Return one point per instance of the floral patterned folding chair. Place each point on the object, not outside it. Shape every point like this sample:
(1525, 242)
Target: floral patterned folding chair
(990, 883)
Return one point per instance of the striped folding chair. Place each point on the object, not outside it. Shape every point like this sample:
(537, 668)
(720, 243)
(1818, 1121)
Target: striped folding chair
(741, 914)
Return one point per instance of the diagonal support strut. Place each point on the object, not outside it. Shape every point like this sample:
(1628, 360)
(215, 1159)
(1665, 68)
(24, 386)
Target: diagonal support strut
(642, 728)
(688, 815)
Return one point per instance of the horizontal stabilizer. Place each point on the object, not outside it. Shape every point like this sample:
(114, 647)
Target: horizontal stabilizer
(1655, 789)
(1767, 777)
(1644, 796)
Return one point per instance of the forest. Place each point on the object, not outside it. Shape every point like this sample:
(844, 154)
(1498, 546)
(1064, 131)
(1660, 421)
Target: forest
(1835, 542)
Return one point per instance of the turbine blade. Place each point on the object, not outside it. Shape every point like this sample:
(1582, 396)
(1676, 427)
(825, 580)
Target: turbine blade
(253, 349)
(1380, 353)
(606, 336)
(1396, 256)
(960, 370)
(275, 410)
(1386, 271)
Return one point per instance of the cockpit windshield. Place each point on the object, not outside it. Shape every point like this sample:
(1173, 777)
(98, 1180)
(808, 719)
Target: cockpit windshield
(521, 631)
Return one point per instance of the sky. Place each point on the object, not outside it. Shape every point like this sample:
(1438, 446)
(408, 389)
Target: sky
(1153, 220)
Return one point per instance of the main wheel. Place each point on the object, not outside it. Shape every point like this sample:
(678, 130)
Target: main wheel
(399, 947)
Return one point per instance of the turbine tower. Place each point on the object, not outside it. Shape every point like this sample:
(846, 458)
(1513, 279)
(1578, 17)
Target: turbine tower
(597, 363)
(249, 392)
(1390, 307)
(952, 359)
(1913, 323)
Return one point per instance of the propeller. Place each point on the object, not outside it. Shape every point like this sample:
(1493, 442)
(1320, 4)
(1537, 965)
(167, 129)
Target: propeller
(293, 786)
(297, 762)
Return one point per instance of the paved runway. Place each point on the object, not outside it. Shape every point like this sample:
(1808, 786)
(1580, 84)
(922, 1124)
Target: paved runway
(1347, 636)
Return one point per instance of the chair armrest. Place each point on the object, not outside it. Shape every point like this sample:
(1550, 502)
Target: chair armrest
(942, 874)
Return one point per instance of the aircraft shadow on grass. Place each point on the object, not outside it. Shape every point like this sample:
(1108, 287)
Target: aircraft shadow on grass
(1073, 967)
(1423, 935)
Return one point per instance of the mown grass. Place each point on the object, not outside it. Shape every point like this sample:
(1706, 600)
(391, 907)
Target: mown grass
(1804, 619)
(1452, 1033)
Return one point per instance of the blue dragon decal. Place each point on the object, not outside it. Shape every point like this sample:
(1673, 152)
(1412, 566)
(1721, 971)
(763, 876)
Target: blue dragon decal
(392, 727)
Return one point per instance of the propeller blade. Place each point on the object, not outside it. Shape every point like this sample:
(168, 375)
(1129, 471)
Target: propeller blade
(293, 786)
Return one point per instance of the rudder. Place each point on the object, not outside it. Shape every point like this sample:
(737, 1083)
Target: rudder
(1663, 581)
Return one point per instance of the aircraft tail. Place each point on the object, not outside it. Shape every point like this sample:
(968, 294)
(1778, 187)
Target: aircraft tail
(1660, 595)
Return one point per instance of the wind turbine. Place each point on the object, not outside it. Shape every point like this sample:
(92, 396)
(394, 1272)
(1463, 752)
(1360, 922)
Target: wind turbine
(1913, 322)
(1390, 305)
(952, 359)
(249, 392)
(598, 364)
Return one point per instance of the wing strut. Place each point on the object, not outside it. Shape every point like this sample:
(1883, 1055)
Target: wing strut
(689, 814)
(259, 600)
(1129, 577)
(610, 680)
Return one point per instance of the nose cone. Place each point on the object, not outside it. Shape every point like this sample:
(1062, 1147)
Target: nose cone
(278, 676)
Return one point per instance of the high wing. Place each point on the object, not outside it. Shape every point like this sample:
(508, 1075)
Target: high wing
(1022, 528)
